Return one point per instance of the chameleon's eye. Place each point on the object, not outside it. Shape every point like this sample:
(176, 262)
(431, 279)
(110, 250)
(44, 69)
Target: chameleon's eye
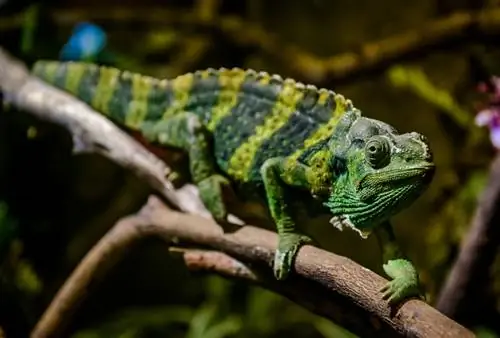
(377, 152)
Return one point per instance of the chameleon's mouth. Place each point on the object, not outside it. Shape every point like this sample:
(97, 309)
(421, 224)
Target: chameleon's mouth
(378, 182)
(378, 196)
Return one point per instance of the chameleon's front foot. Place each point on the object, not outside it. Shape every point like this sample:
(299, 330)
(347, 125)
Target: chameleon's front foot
(404, 284)
(288, 246)
(212, 190)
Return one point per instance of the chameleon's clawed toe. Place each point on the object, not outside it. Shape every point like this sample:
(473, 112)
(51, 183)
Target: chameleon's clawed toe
(398, 290)
(388, 292)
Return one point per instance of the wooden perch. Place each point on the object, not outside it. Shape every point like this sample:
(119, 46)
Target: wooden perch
(332, 286)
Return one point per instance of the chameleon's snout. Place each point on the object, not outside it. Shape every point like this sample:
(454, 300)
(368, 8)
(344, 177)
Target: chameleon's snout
(409, 179)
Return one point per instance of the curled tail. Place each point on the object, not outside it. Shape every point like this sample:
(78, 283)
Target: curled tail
(126, 98)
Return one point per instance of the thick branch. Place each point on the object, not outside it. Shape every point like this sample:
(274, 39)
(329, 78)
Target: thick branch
(332, 286)
(471, 270)
(306, 66)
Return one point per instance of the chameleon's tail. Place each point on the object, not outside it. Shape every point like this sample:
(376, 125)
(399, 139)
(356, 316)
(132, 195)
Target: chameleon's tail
(125, 97)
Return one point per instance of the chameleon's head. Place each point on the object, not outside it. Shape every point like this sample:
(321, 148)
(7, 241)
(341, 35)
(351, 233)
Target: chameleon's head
(379, 172)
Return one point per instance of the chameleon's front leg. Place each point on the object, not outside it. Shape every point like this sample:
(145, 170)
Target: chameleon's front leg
(404, 275)
(278, 176)
(186, 131)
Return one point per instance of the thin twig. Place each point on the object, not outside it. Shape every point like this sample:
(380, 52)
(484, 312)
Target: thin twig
(217, 262)
(329, 285)
(470, 273)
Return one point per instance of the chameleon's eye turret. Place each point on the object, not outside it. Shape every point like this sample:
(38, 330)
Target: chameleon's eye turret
(378, 152)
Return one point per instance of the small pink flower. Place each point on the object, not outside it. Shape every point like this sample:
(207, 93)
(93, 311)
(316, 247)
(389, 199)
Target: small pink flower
(490, 116)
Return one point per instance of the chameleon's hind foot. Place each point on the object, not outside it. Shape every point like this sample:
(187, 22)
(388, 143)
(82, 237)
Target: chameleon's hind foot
(288, 246)
(212, 190)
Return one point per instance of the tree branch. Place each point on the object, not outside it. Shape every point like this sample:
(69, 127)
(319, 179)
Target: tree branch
(332, 286)
(470, 273)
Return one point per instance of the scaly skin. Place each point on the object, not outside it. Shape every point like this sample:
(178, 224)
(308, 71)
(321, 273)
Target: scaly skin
(299, 146)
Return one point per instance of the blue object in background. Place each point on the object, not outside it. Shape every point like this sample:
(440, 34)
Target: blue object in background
(85, 43)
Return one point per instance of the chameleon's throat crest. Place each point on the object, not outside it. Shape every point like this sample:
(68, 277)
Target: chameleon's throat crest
(342, 221)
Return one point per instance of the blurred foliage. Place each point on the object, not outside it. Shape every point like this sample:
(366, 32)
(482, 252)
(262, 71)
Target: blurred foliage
(415, 79)
(62, 204)
(215, 317)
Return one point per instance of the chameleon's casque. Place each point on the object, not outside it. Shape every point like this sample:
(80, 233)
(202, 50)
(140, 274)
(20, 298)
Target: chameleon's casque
(247, 128)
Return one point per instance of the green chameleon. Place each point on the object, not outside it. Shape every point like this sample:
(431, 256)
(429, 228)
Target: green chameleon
(297, 146)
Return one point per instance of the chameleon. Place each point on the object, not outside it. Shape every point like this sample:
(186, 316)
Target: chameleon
(295, 146)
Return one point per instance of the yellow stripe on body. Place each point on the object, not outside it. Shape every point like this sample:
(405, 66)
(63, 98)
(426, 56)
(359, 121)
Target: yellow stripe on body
(241, 161)
(74, 75)
(138, 106)
(230, 82)
(181, 87)
(326, 129)
(323, 96)
(106, 86)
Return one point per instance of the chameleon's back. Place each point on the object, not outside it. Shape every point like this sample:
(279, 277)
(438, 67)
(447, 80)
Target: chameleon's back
(252, 115)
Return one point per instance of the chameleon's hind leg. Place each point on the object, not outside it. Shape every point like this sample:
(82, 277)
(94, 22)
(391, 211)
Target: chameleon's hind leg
(185, 131)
